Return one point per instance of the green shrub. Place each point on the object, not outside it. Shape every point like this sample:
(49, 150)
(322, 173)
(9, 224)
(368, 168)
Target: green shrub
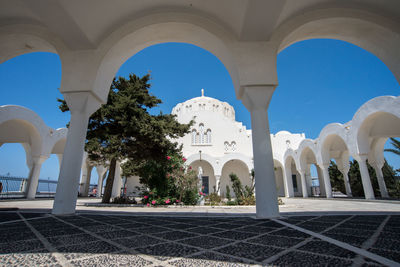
(228, 193)
(214, 199)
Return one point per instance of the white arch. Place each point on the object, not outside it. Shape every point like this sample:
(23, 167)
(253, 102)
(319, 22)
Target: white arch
(161, 28)
(22, 38)
(374, 33)
(32, 129)
(210, 159)
(366, 116)
(236, 156)
(306, 145)
(332, 130)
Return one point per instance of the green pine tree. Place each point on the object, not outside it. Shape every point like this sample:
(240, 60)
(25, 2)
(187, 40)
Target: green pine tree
(123, 129)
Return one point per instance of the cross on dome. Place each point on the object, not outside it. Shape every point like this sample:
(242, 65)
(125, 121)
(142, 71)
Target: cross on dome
(202, 92)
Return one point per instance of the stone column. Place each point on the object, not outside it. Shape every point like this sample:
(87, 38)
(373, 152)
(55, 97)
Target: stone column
(327, 180)
(217, 184)
(366, 180)
(82, 105)
(381, 181)
(289, 191)
(308, 179)
(101, 171)
(303, 183)
(345, 173)
(256, 99)
(321, 182)
(33, 179)
(86, 175)
(116, 189)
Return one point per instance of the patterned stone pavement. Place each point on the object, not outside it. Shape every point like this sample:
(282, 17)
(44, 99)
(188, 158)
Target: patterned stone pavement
(39, 239)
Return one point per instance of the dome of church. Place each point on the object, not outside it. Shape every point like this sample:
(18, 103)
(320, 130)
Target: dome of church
(204, 103)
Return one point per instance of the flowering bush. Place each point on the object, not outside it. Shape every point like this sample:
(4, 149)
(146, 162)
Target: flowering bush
(169, 182)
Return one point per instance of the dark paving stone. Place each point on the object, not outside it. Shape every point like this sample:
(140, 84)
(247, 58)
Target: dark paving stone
(208, 259)
(204, 230)
(138, 241)
(332, 218)
(174, 235)
(389, 235)
(227, 226)
(391, 229)
(393, 255)
(13, 236)
(79, 250)
(180, 226)
(28, 215)
(112, 260)
(296, 258)
(151, 230)
(389, 244)
(234, 235)
(131, 225)
(100, 228)
(350, 239)
(66, 240)
(353, 232)
(313, 227)
(7, 226)
(61, 231)
(273, 240)
(256, 229)
(352, 225)
(290, 233)
(9, 216)
(28, 259)
(250, 251)
(370, 263)
(271, 224)
(21, 246)
(116, 234)
(167, 251)
(322, 247)
(205, 242)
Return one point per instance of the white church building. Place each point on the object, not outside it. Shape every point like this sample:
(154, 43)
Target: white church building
(220, 145)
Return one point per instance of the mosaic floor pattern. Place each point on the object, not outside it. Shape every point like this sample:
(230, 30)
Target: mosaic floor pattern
(34, 239)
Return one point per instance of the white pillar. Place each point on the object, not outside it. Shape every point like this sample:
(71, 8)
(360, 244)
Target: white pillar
(381, 181)
(217, 184)
(308, 179)
(101, 171)
(366, 180)
(289, 192)
(256, 99)
(116, 189)
(33, 179)
(327, 179)
(303, 183)
(82, 105)
(345, 173)
(84, 189)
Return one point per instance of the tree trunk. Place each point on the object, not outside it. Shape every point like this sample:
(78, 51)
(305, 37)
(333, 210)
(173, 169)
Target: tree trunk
(110, 182)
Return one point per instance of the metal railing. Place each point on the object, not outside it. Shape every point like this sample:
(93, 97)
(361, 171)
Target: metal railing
(15, 187)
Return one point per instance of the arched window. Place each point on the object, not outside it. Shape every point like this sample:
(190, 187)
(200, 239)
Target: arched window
(209, 136)
(201, 130)
(226, 146)
(233, 146)
(194, 136)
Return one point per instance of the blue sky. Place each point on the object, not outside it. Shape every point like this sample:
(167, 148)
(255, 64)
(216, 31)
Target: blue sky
(320, 82)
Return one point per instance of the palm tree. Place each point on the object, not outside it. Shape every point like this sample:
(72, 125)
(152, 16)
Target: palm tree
(396, 146)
